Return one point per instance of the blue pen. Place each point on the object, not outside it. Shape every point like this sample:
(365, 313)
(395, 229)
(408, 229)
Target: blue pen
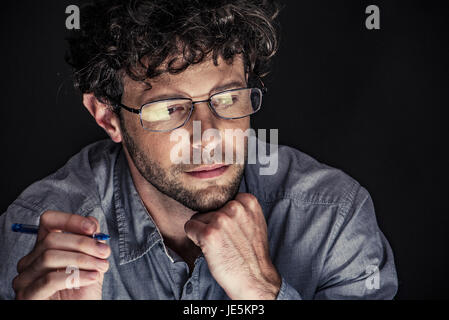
(26, 228)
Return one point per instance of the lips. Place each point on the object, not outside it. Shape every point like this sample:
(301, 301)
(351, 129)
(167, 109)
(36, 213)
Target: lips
(208, 171)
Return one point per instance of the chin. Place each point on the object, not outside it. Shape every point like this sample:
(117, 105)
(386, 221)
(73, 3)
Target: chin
(209, 199)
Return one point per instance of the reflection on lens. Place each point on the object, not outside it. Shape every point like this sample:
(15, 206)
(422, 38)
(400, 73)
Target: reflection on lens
(158, 112)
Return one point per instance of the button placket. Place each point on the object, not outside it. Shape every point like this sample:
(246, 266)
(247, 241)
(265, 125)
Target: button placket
(189, 288)
(189, 292)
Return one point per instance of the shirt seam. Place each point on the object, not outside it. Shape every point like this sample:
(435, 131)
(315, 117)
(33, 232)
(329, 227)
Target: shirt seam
(343, 210)
(37, 208)
(294, 198)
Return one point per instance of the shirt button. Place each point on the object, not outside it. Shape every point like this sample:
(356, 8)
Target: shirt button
(189, 288)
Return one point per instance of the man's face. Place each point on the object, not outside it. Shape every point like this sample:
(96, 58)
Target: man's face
(200, 191)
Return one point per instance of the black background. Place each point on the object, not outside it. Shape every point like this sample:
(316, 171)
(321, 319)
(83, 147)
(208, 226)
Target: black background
(371, 102)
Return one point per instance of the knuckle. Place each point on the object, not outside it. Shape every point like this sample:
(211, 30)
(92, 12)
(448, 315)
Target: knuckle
(83, 243)
(46, 259)
(47, 279)
(210, 234)
(71, 220)
(250, 200)
(206, 234)
(49, 240)
(44, 218)
(221, 220)
(236, 208)
(15, 283)
(82, 260)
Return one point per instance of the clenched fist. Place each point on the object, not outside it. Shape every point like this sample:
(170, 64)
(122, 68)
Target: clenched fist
(234, 242)
(42, 273)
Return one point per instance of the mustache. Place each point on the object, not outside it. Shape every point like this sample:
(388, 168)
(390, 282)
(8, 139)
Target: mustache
(239, 158)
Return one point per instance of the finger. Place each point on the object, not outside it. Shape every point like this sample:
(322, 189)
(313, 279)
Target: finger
(252, 207)
(101, 244)
(67, 222)
(57, 259)
(66, 242)
(97, 229)
(195, 231)
(250, 202)
(95, 221)
(52, 282)
(204, 217)
(235, 209)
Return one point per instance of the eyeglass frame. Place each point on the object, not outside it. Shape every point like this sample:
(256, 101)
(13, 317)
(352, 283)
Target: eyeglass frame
(262, 90)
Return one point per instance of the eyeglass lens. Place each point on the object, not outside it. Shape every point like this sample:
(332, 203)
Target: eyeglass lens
(170, 114)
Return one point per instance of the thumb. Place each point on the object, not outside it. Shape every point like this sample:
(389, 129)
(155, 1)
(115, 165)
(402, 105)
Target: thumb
(195, 230)
(94, 220)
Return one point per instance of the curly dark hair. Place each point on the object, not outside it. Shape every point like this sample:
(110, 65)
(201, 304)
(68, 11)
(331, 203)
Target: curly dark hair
(145, 38)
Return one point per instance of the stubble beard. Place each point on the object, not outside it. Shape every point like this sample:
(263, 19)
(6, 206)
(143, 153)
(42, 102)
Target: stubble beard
(199, 200)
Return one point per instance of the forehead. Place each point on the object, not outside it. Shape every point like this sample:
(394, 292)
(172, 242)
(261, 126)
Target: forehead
(197, 80)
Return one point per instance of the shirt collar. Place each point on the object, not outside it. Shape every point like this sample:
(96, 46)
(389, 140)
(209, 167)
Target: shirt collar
(137, 231)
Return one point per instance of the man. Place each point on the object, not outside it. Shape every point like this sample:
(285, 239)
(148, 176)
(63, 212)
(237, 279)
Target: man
(153, 70)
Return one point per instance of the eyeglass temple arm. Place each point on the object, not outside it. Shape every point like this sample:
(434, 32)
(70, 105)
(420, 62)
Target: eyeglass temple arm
(264, 89)
(137, 111)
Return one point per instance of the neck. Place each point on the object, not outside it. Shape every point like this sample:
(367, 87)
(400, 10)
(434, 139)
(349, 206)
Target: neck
(169, 215)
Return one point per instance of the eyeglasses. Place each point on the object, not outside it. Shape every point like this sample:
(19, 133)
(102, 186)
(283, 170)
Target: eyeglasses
(170, 114)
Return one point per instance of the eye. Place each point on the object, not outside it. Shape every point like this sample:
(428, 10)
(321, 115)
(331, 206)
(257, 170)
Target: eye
(174, 108)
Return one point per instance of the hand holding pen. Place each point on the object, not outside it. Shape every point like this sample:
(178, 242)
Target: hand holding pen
(63, 240)
(31, 229)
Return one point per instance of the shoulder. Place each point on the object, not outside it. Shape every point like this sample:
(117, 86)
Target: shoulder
(74, 188)
(76, 185)
(301, 178)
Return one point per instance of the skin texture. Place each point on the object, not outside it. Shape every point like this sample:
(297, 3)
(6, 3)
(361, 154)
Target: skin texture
(194, 215)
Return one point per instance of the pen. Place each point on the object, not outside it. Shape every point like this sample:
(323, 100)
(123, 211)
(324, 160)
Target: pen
(26, 228)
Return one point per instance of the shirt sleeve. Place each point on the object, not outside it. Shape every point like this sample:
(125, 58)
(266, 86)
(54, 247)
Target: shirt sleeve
(14, 246)
(359, 263)
(287, 292)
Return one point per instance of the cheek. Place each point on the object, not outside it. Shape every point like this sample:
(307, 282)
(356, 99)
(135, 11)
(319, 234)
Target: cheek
(158, 147)
(240, 125)
(151, 146)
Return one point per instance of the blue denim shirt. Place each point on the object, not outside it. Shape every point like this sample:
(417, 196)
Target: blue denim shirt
(323, 236)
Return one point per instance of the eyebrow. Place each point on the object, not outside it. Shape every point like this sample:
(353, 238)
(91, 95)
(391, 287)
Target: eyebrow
(228, 86)
(214, 90)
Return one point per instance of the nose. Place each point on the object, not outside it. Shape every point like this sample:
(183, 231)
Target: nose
(204, 116)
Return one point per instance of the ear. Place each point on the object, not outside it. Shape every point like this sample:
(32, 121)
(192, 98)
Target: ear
(104, 116)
